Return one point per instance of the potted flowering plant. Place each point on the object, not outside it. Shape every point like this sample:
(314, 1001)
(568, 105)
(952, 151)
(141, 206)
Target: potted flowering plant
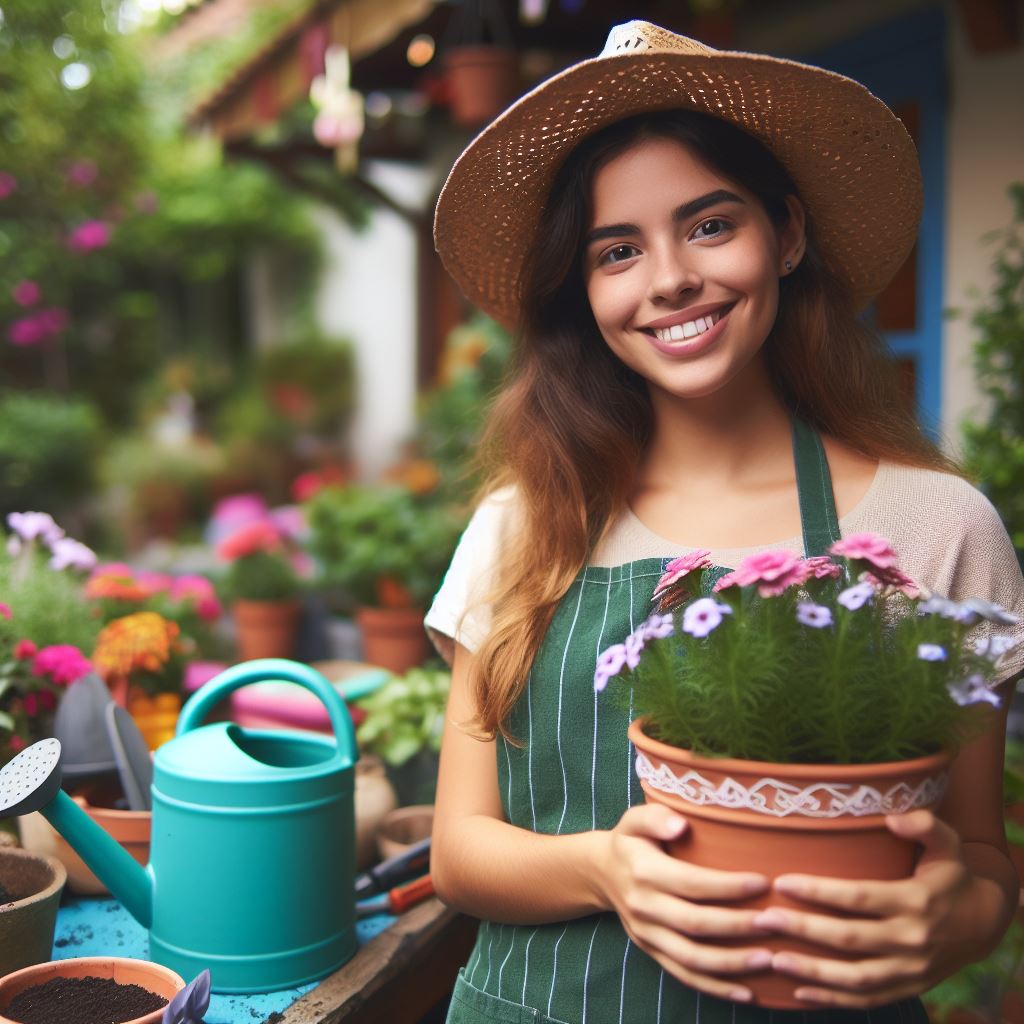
(786, 714)
(263, 587)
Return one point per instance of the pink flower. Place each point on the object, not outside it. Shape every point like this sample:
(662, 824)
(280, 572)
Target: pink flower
(610, 663)
(5, 611)
(26, 293)
(53, 320)
(866, 547)
(33, 525)
(25, 649)
(31, 704)
(680, 567)
(896, 578)
(209, 609)
(26, 331)
(90, 235)
(16, 743)
(155, 582)
(83, 173)
(72, 554)
(703, 616)
(8, 184)
(773, 571)
(63, 663)
(261, 536)
(821, 567)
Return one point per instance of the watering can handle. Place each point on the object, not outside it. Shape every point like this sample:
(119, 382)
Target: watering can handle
(262, 670)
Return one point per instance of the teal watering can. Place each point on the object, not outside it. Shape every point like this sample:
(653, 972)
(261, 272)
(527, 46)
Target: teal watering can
(252, 863)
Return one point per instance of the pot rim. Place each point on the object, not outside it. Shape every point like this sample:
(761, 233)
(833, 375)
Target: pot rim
(867, 770)
(56, 884)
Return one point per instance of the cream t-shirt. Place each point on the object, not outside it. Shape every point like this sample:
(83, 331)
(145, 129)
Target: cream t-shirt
(949, 538)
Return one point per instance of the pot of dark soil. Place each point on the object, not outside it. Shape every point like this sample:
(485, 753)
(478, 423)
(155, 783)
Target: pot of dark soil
(30, 888)
(88, 990)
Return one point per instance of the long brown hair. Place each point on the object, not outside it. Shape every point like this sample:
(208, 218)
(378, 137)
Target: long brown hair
(571, 423)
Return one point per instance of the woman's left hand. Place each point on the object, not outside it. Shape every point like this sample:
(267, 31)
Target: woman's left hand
(911, 935)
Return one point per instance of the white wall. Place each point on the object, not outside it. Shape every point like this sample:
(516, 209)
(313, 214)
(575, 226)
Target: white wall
(985, 152)
(368, 294)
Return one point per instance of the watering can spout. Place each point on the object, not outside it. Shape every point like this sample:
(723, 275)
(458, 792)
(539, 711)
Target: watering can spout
(107, 859)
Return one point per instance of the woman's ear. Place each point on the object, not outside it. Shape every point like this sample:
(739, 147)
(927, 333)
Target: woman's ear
(792, 237)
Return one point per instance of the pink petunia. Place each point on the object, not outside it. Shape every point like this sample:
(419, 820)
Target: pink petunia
(772, 571)
(821, 567)
(88, 236)
(26, 331)
(25, 649)
(703, 616)
(680, 567)
(5, 611)
(259, 536)
(63, 663)
(8, 184)
(866, 547)
(26, 293)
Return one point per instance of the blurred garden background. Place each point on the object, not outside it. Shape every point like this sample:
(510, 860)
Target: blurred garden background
(239, 397)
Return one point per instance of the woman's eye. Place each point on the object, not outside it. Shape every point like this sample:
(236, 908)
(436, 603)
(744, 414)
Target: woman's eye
(711, 228)
(618, 253)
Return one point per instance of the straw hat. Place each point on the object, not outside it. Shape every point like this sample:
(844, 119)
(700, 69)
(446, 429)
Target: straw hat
(849, 155)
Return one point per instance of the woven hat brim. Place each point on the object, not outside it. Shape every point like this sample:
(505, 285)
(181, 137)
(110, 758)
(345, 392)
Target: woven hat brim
(851, 158)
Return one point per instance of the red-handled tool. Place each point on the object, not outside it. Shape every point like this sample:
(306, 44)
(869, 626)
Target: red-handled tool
(398, 899)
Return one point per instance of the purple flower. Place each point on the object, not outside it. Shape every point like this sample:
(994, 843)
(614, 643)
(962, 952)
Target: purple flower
(856, 596)
(942, 606)
(72, 554)
(657, 627)
(931, 652)
(33, 525)
(994, 647)
(90, 235)
(991, 611)
(8, 184)
(26, 293)
(815, 615)
(609, 664)
(634, 648)
(972, 690)
(704, 615)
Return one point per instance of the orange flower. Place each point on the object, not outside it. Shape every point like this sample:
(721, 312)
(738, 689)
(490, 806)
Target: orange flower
(116, 581)
(143, 641)
(419, 476)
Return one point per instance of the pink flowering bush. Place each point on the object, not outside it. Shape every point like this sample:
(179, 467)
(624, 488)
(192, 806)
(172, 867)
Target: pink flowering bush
(833, 659)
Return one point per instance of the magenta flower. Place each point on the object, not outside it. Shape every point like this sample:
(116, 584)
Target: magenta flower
(90, 235)
(154, 582)
(772, 571)
(5, 611)
(83, 173)
(815, 615)
(609, 664)
(35, 525)
(8, 184)
(25, 649)
(26, 293)
(866, 547)
(53, 320)
(72, 554)
(703, 616)
(26, 331)
(62, 663)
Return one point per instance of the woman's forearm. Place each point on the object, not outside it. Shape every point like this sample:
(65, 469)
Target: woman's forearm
(494, 870)
(997, 894)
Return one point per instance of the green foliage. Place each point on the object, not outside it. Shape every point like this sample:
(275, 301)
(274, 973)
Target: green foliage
(48, 449)
(261, 576)
(994, 449)
(764, 687)
(405, 716)
(362, 536)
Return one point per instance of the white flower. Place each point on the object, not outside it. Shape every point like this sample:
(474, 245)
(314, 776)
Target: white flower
(816, 615)
(704, 615)
(72, 554)
(657, 627)
(35, 525)
(931, 652)
(947, 609)
(991, 611)
(972, 690)
(856, 596)
(994, 647)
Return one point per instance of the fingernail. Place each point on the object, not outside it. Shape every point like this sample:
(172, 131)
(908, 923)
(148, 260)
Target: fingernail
(755, 885)
(759, 960)
(740, 995)
(790, 886)
(771, 919)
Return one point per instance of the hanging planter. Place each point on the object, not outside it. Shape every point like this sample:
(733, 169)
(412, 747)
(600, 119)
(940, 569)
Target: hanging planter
(482, 82)
(776, 819)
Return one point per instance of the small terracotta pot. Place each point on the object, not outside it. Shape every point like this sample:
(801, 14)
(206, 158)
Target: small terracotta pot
(131, 829)
(393, 638)
(374, 799)
(265, 629)
(159, 980)
(482, 82)
(27, 924)
(778, 819)
(403, 828)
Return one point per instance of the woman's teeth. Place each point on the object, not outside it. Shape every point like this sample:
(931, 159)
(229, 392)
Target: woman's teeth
(690, 329)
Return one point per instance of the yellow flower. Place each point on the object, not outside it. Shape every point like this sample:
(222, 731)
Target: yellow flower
(144, 641)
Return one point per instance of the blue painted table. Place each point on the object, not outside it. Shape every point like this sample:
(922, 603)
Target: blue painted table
(102, 927)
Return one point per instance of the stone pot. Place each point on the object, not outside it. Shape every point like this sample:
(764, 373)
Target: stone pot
(125, 971)
(777, 819)
(27, 923)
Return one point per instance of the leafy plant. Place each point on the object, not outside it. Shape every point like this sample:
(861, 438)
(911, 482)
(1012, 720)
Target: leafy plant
(260, 567)
(789, 664)
(994, 448)
(384, 545)
(405, 716)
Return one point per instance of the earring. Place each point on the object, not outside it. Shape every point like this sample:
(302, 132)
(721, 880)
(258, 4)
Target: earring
(788, 264)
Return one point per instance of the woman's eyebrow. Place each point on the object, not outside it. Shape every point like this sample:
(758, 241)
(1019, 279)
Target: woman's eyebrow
(684, 212)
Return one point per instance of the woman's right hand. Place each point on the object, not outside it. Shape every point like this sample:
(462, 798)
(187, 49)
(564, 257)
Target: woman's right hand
(657, 898)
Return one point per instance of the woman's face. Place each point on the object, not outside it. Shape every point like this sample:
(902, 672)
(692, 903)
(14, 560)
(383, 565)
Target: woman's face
(682, 267)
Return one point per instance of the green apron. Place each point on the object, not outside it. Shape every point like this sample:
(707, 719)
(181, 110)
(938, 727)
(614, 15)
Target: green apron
(575, 773)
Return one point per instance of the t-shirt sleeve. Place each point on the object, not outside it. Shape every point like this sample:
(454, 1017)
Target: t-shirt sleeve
(460, 611)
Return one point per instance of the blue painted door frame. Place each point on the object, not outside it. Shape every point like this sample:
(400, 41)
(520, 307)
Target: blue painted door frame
(901, 61)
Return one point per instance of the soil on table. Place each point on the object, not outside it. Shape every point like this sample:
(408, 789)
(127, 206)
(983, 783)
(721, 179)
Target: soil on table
(82, 1001)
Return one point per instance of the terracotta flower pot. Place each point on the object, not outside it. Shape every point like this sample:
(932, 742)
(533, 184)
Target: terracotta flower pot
(27, 922)
(265, 629)
(131, 829)
(125, 971)
(776, 819)
(393, 638)
(482, 82)
(374, 799)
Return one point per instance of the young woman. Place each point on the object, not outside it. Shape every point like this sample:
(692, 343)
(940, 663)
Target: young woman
(682, 239)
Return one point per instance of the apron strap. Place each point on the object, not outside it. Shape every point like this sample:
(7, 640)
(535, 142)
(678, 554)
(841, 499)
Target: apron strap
(818, 518)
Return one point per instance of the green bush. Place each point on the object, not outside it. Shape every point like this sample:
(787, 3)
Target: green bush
(260, 576)
(48, 450)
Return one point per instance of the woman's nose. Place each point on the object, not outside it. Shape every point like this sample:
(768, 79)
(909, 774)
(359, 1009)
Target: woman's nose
(672, 273)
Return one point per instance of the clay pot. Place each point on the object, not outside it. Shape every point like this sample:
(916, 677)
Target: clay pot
(482, 82)
(125, 971)
(27, 924)
(393, 638)
(375, 799)
(776, 819)
(130, 828)
(265, 629)
(403, 828)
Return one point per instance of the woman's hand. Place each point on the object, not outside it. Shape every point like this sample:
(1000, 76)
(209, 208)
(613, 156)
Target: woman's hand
(914, 932)
(654, 895)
